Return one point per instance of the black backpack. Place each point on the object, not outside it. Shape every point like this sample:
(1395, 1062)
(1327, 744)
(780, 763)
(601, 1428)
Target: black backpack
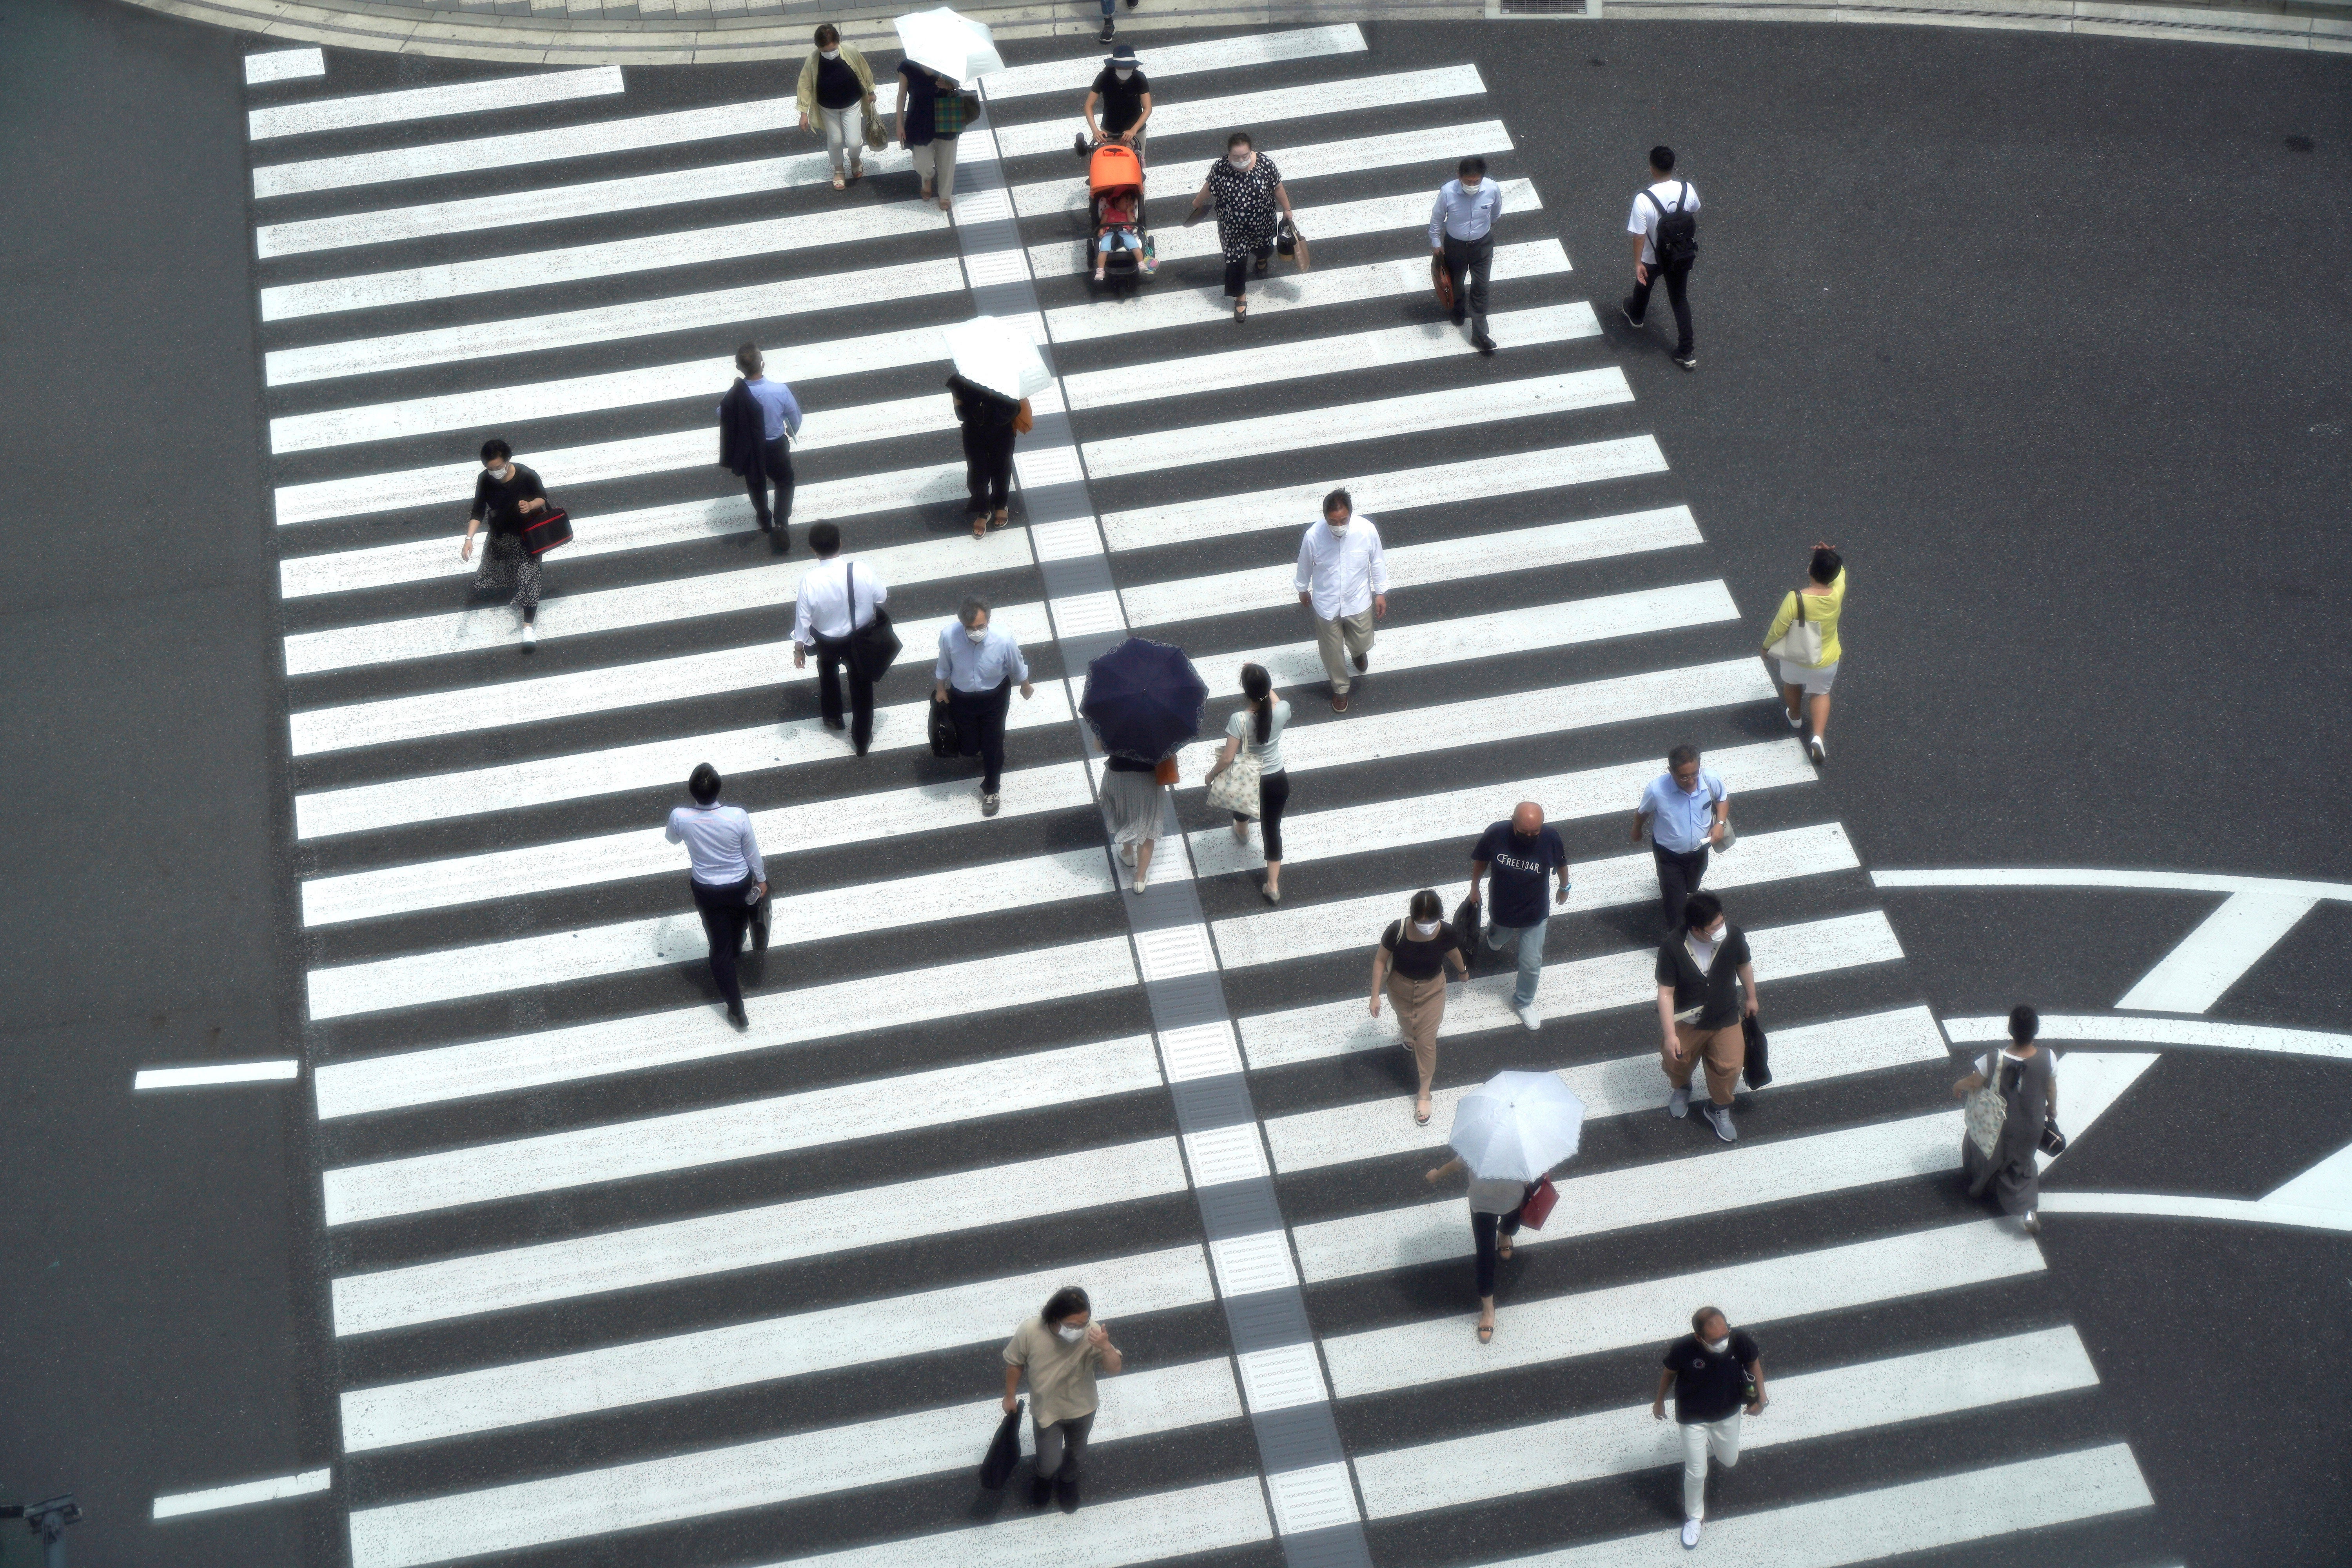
(1677, 240)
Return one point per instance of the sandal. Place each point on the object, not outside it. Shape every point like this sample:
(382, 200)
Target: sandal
(1000, 518)
(839, 182)
(979, 525)
(1240, 309)
(1502, 1247)
(1258, 266)
(1422, 1108)
(1485, 1334)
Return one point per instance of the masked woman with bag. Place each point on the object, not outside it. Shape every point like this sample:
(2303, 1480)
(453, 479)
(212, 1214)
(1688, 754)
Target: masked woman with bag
(1248, 191)
(1060, 1350)
(1247, 778)
(2011, 1096)
(1410, 963)
(838, 87)
(505, 495)
(1809, 619)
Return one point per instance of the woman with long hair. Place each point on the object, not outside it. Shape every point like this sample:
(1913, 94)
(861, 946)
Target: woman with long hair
(1259, 727)
(1410, 964)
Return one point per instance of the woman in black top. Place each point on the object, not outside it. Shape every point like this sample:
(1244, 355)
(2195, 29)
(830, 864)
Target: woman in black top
(505, 496)
(834, 81)
(986, 418)
(1410, 963)
(1701, 972)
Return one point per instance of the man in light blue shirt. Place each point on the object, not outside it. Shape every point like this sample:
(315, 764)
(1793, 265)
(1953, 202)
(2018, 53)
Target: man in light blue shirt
(754, 419)
(730, 879)
(1462, 236)
(973, 680)
(1687, 812)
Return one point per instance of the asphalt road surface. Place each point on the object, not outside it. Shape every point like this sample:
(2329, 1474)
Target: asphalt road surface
(2047, 335)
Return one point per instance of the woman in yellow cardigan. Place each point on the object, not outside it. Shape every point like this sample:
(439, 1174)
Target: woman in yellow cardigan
(1807, 685)
(838, 87)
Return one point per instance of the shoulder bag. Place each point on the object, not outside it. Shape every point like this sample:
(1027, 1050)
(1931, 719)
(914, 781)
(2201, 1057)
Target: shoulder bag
(874, 647)
(1236, 789)
(1985, 1111)
(543, 532)
(1165, 774)
(1536, 1207)
(1801, 643)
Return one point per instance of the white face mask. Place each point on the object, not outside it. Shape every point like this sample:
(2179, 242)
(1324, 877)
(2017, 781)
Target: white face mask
(829, 54)
(1069, 1334)
(977, 634)
(1122, 75)
(1426, 928)
(1714, 936)
(1720, 1346)
(502, 475)
(1238, 160)
(1339, 527)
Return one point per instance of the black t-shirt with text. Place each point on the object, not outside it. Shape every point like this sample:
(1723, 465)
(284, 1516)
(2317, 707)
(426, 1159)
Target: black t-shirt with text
(1122, 101)
(1517, 872)
(1707, 1386)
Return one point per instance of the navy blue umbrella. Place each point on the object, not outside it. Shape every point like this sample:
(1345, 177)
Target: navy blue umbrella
(1143, 699)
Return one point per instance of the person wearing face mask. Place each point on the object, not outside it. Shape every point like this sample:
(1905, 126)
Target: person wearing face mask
(932, 113)
(1343, 581)
(2028, 1085)
(1121, 95)
(977, 668)
(1258, 729)
(1687, 812)
(1702, 974)
(835, 597)
(1410, 962)
(505, 495)
(1248, 191)
(837, 87)
(1462, 236)
(1714, 1372)
(1521, 852)
(1061, 1349)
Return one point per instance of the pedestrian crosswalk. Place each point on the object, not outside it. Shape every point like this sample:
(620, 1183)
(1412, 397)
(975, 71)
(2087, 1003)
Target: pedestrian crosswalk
(607, 1277)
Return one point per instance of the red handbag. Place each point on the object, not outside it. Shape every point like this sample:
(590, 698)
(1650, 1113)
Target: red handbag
(1537, 1208)
(545, 532)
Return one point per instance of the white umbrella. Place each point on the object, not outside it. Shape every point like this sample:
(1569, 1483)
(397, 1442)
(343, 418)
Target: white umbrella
(954, 46)
(996, 353)
(1516, 1125)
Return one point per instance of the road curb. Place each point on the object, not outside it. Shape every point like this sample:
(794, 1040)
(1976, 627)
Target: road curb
(592, 39)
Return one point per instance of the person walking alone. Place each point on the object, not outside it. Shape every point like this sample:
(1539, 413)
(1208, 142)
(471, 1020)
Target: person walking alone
(1714, 1372)
(1131, 799)
(728, 876)
(835, 597)
(757, 419)
(1060, 1350)
(1521, 852)
(2028, 1086)
(932, 112)
(1258, 730)
(1686, 811)
(990, 423)
(506, 494)
(1665, 244)
(837, 87)
(1495, 1208)
(1248, 191)
(1462, 236)
(1410, 963)
(977, 670)
(1805, 687)
(1119, 103)
(1701, 974)
(1343, 581)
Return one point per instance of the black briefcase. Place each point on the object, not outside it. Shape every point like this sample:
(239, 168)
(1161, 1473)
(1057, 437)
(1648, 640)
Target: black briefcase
(1758, 1069)
(1004, 1451)
(1466, 934)
(943, 730)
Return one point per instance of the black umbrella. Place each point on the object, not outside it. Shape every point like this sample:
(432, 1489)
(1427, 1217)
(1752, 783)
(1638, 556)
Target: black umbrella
(1143, 699)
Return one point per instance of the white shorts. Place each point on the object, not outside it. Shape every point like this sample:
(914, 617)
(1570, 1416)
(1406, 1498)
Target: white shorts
(1816, 682)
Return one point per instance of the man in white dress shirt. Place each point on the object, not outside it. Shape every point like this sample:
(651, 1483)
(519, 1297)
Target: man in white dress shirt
(1665, 210)
(1462, 236)
(826, 611)
(977, 670)
(729, 878)
(1343, 581)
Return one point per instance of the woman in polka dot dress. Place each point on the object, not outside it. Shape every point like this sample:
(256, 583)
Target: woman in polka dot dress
(1248, 192)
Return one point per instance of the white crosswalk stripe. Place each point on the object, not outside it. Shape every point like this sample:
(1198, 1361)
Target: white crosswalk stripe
(605, 1261)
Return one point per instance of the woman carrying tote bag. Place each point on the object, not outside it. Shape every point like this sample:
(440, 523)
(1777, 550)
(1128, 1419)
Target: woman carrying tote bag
(1247, 778)
(1803, 639)
(2011, 1097)
(836, 88)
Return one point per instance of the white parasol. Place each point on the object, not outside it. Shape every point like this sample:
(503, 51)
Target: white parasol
(1516, 1125)
(996, 353)
(952, 45)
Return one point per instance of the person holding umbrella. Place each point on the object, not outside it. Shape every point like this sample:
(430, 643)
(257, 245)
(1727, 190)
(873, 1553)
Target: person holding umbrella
(1508, 1132)
(943, 51)
(1142, 699)
(996, 369)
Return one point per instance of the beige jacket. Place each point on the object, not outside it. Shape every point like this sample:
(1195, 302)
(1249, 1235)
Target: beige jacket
(857, 63)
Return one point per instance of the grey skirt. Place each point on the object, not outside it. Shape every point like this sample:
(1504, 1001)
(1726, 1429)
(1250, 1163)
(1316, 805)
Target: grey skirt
(1131, 804)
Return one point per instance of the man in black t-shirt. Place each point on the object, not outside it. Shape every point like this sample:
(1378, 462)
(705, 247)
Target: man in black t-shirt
(1119, 101)
(1521, 852)
(1714, 1372)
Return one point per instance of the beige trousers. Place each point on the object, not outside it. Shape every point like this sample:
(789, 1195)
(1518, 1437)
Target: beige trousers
(1725, 1051)
(1337, 640)
(935, 162)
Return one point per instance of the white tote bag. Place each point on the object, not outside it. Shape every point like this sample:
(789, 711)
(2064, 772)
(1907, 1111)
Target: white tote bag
(1236, 789)
(1801, 643)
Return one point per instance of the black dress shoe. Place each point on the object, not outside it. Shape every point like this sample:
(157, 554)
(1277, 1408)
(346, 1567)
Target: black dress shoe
(1482, 344)
(1065, 1488)
(1460, 318)
(737, 1017)
(1040, 1490)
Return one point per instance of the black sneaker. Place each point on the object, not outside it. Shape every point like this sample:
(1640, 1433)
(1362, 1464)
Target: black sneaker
(1688, 362)
(1041, 1490)
(1108, 31)
(1065, 1487)
(1631, 320)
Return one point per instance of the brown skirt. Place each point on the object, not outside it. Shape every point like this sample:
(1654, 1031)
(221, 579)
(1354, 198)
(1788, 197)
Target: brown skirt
(1420, 1006)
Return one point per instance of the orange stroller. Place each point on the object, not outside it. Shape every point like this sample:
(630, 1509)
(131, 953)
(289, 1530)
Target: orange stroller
(1116, 231)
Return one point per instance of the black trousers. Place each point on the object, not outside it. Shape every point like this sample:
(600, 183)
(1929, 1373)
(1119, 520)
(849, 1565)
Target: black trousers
(1679, 876)
(724, 916)
(1237, 272)
(1483, 1228)
(988, 466)
(832, 660)
(780, 474)
(980, 729)
(1468, 262)
(1273, 796)
(1637, 305)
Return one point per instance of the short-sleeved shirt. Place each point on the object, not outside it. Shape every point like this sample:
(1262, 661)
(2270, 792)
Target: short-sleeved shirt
(917, 94)
(1242, 727)
(1679, 822)
(499, 503)
(838, 86)
(1709, 993)
(1501, 1195)
(1644, 218)
(1707, 1386)
(1516, 874)
(1122, 101)
(1061, 1374)
(1414, 958)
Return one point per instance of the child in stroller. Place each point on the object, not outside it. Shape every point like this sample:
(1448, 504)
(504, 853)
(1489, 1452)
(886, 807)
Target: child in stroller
(1115, 227)
(1115, 187)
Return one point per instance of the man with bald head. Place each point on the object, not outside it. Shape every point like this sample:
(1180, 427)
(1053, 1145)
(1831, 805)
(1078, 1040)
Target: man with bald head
(1521, 853)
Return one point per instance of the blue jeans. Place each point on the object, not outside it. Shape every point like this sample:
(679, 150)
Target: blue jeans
(1530, 940)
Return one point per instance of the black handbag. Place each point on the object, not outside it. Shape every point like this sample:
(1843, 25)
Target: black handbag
(943, 730)
(1759, 1067)
(875, 647)
(546, 531)
(1465, 933)
(1004, 1451)
(2053, 1142)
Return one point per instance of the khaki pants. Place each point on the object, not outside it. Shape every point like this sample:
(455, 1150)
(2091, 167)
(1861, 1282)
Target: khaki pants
(935, 162)
(1724, 1050)
(1337, 641)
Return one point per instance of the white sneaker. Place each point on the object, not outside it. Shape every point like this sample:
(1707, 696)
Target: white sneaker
(1528, 1016)
(1690, 1533)
(1821, 752)
(1678, 1102)
(529, 634)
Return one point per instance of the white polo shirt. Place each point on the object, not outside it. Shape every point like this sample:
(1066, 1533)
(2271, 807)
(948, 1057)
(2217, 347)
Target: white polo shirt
(1645, 220)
